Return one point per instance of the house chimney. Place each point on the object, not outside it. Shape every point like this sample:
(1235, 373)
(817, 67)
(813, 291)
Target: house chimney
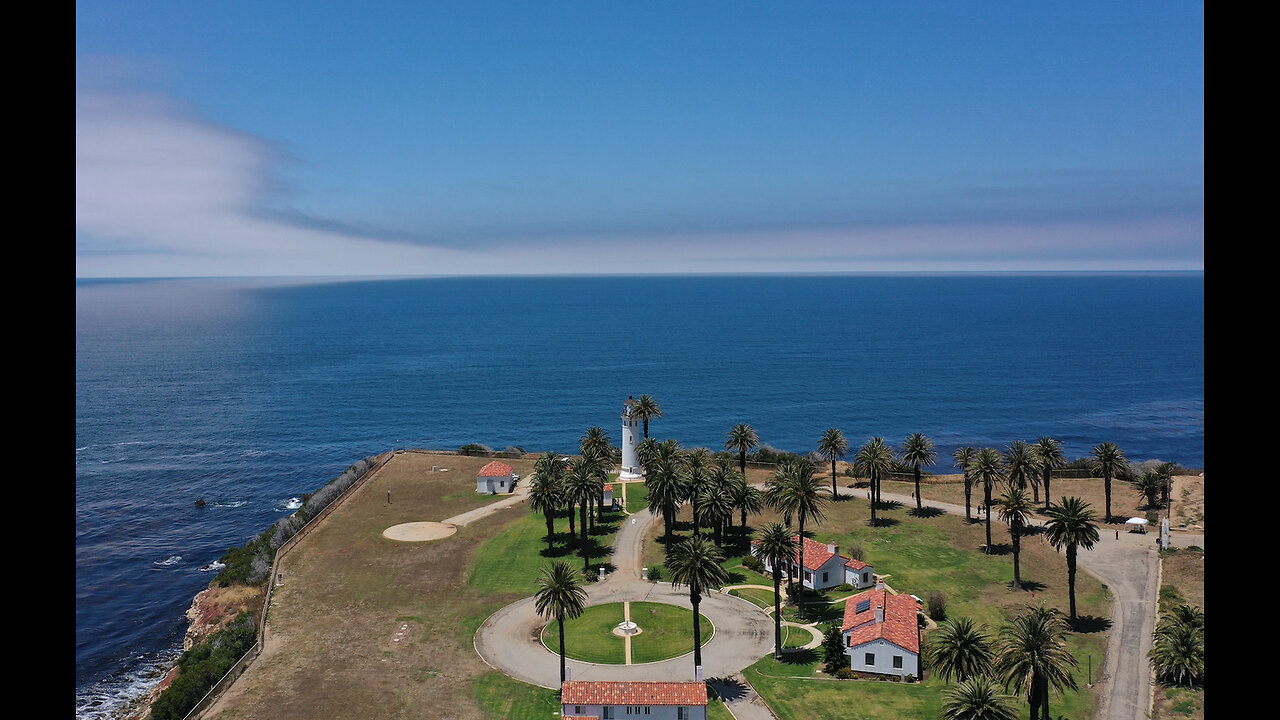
(697, 673)
(833, 548)
(880, 584)
(880, 613)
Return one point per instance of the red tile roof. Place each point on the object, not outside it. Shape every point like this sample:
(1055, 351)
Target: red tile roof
(899, 625)
(608, 487)
(856, 564)
(495, 469)
(633, 693)
(817, 554)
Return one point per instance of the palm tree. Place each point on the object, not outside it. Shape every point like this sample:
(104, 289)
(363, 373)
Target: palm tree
(580, 485)
(663, 476)
(1020, 466)
(697, 476)
(716, 502)
(594, 446)
(989, 468)
(1015, 508)
(833, 446)
(1049, 457)
(1108, 460)
(1149, 484)
(696, 563)
(749, 500)
(978, 698)
(1072, 525)
(776, 548)
(1032, 657)
(794, 490)
(916, 451)
(741, 438)
(546, 492)
(560, 597)
(1165, 471)
(1177, 651)
(645, 451)
(961, 649)
(874, 460)
(644, 409)
(963, 456)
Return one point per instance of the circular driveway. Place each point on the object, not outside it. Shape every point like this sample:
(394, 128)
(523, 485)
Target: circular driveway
(510, 639)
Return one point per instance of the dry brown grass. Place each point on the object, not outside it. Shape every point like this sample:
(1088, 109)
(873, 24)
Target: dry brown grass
(1126, 501)
(335, 646)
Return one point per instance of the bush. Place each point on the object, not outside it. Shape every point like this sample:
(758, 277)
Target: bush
(655, 573)
(937, 605)
(204, 665)
(845, 673)
(856, 552)
(474, 449)
(843, 587)
(751, 562)
(910, 678)
(833, 657)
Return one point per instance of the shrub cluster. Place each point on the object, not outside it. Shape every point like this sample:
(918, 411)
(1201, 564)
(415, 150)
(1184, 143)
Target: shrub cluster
(204, 665)
(770, 454)
(751, 562)
(250, 563)
(474, 449)
(937, 605)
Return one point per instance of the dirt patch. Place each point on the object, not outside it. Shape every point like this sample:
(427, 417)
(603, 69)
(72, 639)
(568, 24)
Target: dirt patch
(419, 531)
(1187, 499)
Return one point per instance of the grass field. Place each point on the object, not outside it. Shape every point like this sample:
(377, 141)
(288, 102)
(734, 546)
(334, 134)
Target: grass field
(667, 633)
(405, 614)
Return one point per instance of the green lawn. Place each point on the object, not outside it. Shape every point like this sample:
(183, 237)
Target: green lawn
(637, 496)
(762, 598)
(502, 697)
(509, 562)
(667, 633)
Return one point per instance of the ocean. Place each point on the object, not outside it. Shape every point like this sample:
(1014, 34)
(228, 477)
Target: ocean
(249, 392)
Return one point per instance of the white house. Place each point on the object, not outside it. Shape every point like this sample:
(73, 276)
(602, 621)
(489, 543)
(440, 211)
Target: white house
(496, 477)
(824, 566)
(882, 634)
(621, 700)
(608, 495)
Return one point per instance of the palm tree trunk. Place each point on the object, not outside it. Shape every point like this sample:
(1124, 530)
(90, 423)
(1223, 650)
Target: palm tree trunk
(986, 497)
(800, 591)
(1044, 699)
(777, 612)
(560, 621)
(1071, 580)
(550, 531)
(1047, 473)
(573, 532)
(1106, 477)
(968, 494)
(834, 493)
(585, 560)
(695, 598)
(1016, 534)
(919, 502)
(873, 499)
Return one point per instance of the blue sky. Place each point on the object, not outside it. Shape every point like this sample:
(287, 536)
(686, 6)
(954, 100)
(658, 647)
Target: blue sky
(322, 138)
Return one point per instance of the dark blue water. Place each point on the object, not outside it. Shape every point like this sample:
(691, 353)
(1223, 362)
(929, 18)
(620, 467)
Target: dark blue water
(247, 392)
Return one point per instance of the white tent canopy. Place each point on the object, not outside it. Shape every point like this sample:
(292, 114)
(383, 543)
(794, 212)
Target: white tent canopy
(1136, 521)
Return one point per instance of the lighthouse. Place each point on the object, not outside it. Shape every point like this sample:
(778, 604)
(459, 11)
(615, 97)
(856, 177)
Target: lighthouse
(630, 438)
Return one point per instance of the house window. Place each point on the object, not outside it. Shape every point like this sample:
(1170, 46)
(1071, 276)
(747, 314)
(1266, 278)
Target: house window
(848, 640)
(808, 576)
(682, 713)
(577, 709)
(869, 659)
(824, 578)
(865, 578)
(897, 662)
(606, 713)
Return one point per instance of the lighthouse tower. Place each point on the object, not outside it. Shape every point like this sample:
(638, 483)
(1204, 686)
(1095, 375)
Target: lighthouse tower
(630, 439)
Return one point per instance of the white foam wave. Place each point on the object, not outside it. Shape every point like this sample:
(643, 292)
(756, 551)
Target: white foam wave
(171, 560)
(235, 504)
(211, 567)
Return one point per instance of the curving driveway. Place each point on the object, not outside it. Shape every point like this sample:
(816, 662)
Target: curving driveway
(509, 640)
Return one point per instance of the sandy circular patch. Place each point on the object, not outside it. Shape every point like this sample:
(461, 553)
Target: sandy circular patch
(419, 531)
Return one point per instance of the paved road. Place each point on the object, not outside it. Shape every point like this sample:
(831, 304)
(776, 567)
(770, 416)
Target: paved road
(1130, 566)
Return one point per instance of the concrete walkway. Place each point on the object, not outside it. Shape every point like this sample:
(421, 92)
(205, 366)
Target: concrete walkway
(1130, 566)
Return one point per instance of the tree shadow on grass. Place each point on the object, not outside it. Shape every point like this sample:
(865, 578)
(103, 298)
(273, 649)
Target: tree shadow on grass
(1090, 624)
(888, 505)
(558, 551)
(1030, 586)
(884, 522)
(799, 657)
(1000, 549)
(926, 512)
(729, 689)
(1032, 530)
